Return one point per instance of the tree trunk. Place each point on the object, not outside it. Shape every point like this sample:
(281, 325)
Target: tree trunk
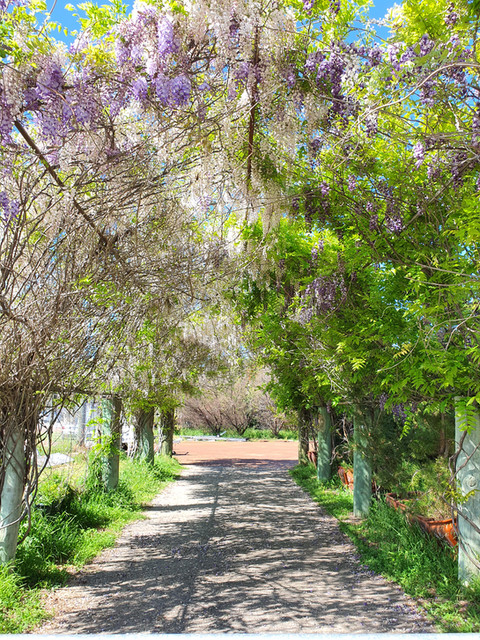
(468, 480)
(304, 423)
(324, 471)
(362, 470)
(12, 493)
(144, 435)
(111, 428)
(167, 427)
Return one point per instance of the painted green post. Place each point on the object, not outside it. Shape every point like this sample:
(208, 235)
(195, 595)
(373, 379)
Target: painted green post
(362, 469)
(468, 480)
(12, 493)
(324, 470)
(111, 428)
(144, 435)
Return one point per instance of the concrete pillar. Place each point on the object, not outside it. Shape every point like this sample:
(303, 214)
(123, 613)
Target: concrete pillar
(144, 435)
(111, 428)
(467, 440)
(362, 469)
(12, 493)
(324, 471)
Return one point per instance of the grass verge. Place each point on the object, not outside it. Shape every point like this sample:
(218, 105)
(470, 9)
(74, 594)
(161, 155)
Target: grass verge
(70, 527)
(390, 546)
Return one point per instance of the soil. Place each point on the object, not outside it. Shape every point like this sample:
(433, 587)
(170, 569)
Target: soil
(232, 546)
(259, 453)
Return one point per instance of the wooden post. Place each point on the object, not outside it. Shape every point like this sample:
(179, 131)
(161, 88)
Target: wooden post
(324, 470)
(362, 470)
(467, 440)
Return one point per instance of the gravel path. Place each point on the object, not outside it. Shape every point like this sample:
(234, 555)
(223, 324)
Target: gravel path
(232, 549)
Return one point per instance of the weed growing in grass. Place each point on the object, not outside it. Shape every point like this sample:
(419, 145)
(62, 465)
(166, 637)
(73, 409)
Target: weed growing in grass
(390, 546)
(65, 531)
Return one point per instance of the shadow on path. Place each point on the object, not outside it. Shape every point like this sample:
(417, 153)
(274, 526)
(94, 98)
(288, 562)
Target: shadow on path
(232, 549)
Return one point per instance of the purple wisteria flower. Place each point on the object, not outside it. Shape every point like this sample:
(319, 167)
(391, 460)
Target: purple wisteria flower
(312, 61)
(426, 45)
(324, 189)
(167, 41)
(373, 223)
(9, 208)
(418, 154)
(290, 77)
(452, 16)
(180, 88)
(382, 401)
(375, 56)
(49, 81)
(334, 7)
(140, 89)
(399, 412)
(394, 223)
(352, 183)
(4, 4)
(325, 293)
(308, 5)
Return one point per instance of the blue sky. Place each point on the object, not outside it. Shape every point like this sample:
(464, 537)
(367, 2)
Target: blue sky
(64, 17)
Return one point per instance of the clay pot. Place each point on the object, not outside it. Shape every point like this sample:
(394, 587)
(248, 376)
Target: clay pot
(346, 476)
(441, 529)
(312, 457)
(392, 501)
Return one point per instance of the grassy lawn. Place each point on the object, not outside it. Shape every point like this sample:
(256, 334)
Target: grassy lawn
(69, 527)
(387, 544)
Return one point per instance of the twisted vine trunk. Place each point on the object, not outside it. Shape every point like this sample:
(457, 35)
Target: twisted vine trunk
(167, 427)
(304, 427)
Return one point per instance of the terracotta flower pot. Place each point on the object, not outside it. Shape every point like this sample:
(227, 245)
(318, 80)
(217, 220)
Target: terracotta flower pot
(392, 501)
(346, 476)
(441, 529)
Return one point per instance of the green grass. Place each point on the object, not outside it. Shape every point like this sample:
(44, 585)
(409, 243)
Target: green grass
(69, 527)
(390, 546)
(265, 434)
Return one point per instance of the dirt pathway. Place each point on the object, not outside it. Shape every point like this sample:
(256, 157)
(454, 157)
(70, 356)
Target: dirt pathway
(232, 549)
